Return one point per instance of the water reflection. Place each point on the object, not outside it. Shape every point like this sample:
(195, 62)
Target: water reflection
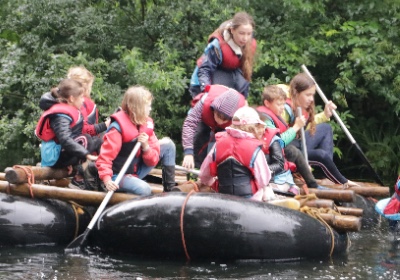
(374, 254)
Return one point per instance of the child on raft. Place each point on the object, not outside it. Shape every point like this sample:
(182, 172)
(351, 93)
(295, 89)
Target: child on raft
(281, 169)
(319, 134)
(236, 164)
(273, 99)
(89, 108)
(128, 126)
(228, 57)
(60, 128)
(211, 114)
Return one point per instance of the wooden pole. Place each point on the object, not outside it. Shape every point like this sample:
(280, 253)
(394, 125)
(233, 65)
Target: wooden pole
(358, 212)
(82, 197)
(342, 223)
(336, 195)
(365, 191)
(18, 175)
(320, 203)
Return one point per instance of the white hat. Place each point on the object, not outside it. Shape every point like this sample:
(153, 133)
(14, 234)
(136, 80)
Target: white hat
(246, 115)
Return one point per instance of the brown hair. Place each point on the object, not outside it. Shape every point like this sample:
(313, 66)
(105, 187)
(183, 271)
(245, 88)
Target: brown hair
(273, 92)
(299, 83)
(67, 88)
(82, 75)
(134, 103)
(242, 18)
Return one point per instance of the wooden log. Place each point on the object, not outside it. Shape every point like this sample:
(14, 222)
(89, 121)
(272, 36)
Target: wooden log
(342, 223)
(18, 175)
(358, 212)
(64, 182)
(82, 197)
(2, 176)
(336, 195)
(320, 203)
(365, 190)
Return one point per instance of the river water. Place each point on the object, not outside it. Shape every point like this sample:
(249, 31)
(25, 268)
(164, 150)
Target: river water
(372, 255)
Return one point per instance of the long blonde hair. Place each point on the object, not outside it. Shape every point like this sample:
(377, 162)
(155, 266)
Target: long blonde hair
(82, 75)
(134, 103)
(299, 83)
(242, 18)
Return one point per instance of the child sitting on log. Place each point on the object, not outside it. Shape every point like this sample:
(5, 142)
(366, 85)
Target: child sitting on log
(130, 125)
(274, 101)
(236, 164)
(60, 128)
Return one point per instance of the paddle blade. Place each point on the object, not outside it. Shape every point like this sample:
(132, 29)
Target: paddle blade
(78, 243)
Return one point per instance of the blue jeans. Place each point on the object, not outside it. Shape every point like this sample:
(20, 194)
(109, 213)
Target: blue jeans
(320, 152)
(135, 184)
(167, 152)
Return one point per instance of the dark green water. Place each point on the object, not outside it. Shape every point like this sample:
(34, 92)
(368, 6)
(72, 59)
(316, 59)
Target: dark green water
(372, 255)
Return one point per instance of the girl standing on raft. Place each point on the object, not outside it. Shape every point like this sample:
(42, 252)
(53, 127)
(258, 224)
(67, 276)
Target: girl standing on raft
(228, 57)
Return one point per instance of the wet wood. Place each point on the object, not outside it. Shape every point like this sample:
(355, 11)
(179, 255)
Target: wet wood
(358, 212)
(342, 223)
(82, 197)
(18, 175)
(336, 195)
(365, 190)
(319, 203)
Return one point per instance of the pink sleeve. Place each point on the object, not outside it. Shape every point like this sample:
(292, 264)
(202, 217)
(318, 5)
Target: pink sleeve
(205, 176)
(262, 174)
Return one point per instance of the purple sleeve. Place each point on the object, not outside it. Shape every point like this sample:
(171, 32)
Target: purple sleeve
(190, 126)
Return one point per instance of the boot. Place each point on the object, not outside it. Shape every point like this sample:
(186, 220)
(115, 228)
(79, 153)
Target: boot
(168, 177)
(91, 177)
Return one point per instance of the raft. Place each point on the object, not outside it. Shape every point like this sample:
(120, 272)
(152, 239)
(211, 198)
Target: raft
(29, 222)
(213, 226)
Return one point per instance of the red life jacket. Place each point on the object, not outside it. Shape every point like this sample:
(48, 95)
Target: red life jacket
(129, 133)
(230, 60)
(234, 164)
(268, 136)
(89, 111)
(210, 94)
(43, 130)
(278, 121)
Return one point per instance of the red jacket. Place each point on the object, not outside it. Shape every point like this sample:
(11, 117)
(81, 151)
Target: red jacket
(120, 140)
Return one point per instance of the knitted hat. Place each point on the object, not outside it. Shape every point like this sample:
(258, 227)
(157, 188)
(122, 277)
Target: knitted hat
(246, 115)
(228, 102)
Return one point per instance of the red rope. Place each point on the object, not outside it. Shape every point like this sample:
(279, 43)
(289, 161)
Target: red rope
(181, 224)
(29, 175)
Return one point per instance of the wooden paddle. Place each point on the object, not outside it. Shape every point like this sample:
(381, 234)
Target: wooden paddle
(344, 128)
(80, 241)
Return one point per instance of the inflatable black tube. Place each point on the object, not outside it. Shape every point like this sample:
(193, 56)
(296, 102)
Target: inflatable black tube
(25, 221)
(215, 226)
(370, 217)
